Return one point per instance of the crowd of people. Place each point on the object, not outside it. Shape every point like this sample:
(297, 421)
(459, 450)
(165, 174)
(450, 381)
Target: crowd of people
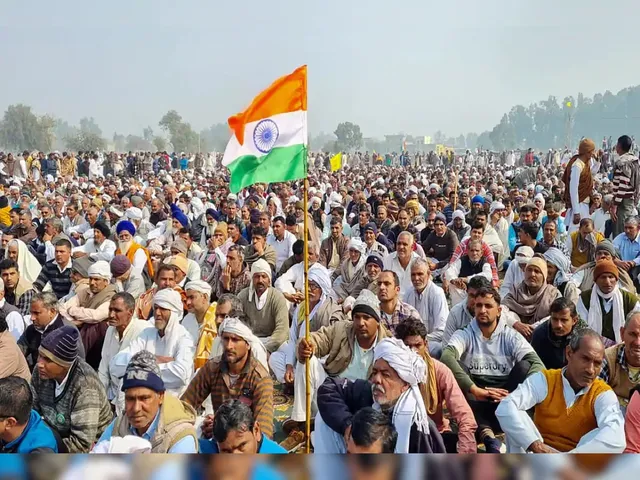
(455, 305)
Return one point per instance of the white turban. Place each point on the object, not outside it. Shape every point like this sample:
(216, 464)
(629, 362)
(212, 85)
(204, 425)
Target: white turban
(134, 213)
(496, 206)
(100, 269)
(236, 327)
(409, 409)
(199, 286)
(320, 275)
(357, 244)
(168, 299)
(259, 266)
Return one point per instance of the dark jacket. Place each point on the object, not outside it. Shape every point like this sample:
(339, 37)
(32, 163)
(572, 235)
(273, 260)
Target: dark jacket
(37, 437)
(549, 347)
(29, 341)
(340, 399)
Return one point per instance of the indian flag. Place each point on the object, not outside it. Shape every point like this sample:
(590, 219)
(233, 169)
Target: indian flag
(269, 141)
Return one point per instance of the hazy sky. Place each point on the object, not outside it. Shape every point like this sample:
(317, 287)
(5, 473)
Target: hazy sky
(412, 66)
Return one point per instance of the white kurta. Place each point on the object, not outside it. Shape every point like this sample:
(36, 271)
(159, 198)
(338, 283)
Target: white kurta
(432, 306)
(574, 184)
(521, 432)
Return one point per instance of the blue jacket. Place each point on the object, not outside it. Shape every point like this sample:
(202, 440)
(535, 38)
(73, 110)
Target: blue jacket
(37, 437)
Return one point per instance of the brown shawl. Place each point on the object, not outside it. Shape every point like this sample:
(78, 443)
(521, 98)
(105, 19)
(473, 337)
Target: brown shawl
(531, 308)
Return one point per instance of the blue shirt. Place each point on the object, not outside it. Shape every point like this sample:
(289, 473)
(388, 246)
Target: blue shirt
(629, 249)
(267, 446)
(185, 445)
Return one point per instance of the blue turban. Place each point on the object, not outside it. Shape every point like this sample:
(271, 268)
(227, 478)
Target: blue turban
(211, 212)
(478, 199)
(126, 225)
(178, 215)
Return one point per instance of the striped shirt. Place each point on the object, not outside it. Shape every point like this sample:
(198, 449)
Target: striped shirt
(253, 387)
(60, 278)
(625, 179)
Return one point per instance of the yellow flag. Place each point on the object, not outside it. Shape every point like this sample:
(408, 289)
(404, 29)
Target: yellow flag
(336, 162)
(569, 104)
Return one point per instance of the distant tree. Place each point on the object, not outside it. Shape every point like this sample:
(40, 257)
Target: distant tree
(484, 141)
(21, 129)
(439, 137)
(119, 142)
(471, 140)
(215, 137)
(147, 134)
(182, 136)
(160, 144)
(89, 125)
(461, 142)
(85, 141)
(349, 136)
(136, 143)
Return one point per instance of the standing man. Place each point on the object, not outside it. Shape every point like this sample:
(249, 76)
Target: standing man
(626, 184)
(578, 180)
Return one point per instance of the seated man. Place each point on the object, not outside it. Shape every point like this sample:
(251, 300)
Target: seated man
(605, 307)
(551, 337)
(11, 316)
(259, 249)
(373, 240)
(628, 245)
(239, 371)
(12, 360)
(333, 250)
(477, 232)
(236, 431)
(515, 271)
(178, 257)
(89, 309)
(440, 244)
(200, 322)
(393, 310)
(530, 301)
(583, 277)
(123, 329)
(45, 320)
(575, 411)
(430, 302)
(56, 272)
(150, 412)
(348, 280)
(127, 279)
(442, 389)
(401, 260)
(394, 387)
(99, 247)
(458, 274)
(232, 277)
(324, 311)
(23, 430)
(372, 432)
(17, 290)
(266, 307)
(489, 360)
(68, 392)
(169, 341)
(527, 235)
(581, 244)
(136, 253)
(621, 362)
(166, 276)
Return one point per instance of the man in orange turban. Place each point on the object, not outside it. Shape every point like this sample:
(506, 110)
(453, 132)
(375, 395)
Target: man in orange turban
(578, 183)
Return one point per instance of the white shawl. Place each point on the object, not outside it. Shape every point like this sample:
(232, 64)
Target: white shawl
(594, 317)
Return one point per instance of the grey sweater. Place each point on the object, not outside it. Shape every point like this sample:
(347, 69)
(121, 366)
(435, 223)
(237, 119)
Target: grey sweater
(271, 324)
(81, 413)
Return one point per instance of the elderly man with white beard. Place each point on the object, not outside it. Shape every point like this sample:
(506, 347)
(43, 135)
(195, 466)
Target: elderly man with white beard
(393, 388)
(169, 341)
(430, 302)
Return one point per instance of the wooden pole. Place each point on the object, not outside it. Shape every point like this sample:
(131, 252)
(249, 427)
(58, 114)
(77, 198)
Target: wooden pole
(307, 367)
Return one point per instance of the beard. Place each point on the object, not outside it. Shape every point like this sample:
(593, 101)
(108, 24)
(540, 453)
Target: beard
(125, 246)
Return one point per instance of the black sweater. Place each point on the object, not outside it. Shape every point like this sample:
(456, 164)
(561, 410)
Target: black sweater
(340, 399)
(549, 347)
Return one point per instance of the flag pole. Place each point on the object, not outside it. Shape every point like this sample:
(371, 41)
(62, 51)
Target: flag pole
(307, 366)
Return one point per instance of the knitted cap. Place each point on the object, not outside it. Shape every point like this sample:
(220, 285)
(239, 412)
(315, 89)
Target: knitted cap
(374, 258)
(143, 371)
(180, 245)
(102, 228)
(368, 304)
(120, 265)
(61, 345)
(605, 266)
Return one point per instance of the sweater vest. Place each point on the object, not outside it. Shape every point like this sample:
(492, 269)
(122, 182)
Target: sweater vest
(619, 379)
(6, 309)
(467, 268)
(562, 427)
(628, 302)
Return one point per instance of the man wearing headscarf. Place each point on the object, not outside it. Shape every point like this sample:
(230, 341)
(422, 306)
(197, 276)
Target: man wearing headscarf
(99, 247)
(89, 309)
(323, 311)
(200, 322)
(605, 307)
(347, 280)
(581, 244)
(559, 268)
(458, 224)
(239, 371)
(393, 388)
(578, 179)
(583, 276)
(266, 306)
(169, 341)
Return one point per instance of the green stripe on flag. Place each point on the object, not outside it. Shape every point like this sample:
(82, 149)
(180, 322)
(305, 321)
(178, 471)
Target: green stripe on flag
(280, 165)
